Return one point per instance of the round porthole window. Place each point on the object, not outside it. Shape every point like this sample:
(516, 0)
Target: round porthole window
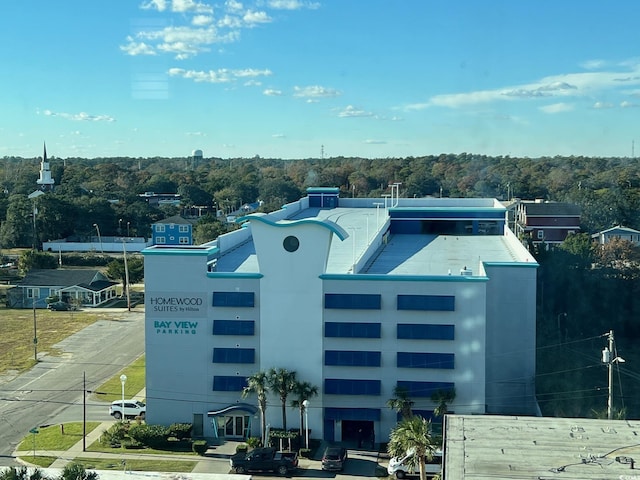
(291, 243)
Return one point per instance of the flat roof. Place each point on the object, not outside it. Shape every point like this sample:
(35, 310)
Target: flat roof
(402, 254)
(496, 447)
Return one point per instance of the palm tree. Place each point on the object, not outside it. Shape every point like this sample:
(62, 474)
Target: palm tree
(258, 384)
(413, 433)
(442, 398)
(21, 473)
(303, 391)
(282, 381)
(401, 402)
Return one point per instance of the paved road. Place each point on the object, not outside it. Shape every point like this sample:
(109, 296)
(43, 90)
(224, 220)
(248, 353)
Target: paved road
(53, 389)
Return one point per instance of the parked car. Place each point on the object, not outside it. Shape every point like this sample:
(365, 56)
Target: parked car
(405, 465)
(264, 460)
(61, 306)
(334, 458)
(132, 408)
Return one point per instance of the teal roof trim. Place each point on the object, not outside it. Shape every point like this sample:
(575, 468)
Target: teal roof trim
(404, 278)
(340, 232)
(323, 190)
(233, 275)
(512, 264)
(177, 250)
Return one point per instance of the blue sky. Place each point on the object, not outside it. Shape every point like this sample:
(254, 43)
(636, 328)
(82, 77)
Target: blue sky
(302, 78)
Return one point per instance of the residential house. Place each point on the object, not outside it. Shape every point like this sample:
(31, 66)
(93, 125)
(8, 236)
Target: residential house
(83, 287)
(619, 232)
(174, 230)
(546, 222)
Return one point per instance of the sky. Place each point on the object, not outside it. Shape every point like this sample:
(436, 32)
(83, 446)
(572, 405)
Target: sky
(298, 79)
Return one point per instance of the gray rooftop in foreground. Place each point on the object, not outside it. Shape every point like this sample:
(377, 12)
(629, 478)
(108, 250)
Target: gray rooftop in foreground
(503, 447)
(403, 255)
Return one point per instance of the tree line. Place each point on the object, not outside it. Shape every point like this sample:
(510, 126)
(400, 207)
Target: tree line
(104, 191)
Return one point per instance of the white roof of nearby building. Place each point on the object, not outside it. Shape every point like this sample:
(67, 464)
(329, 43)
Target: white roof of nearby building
(504, 447)
(403, 254)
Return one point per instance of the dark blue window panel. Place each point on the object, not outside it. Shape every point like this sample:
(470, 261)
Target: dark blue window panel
(351, 387)
(353, 301)
(234, 355)
(351, 358)
(233, 299)
(438, 303)
(352, 330)
(233, 327)
(425, 332)
(229, 384)
(425, 360)
(424, 389)
(334, 413)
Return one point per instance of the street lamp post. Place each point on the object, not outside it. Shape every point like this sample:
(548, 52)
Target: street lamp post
(305, 404)
(120, 226)
(128, 224)
(123, 380)
(99, 237)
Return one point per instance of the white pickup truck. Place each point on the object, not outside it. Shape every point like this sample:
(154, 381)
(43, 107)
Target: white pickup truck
(405, 465)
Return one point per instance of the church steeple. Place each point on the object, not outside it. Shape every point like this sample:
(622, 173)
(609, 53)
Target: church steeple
(45, 182)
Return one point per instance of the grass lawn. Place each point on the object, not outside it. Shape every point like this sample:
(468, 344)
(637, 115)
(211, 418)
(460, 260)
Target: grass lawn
(39, 460)
(16, 334)
(52, 438)
(136, 465)
(113, 387)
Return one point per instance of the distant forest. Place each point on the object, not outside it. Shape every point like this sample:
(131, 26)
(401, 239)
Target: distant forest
(583, 291)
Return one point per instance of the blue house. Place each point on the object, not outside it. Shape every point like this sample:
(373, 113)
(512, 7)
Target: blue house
(82, 287)
(173, 231)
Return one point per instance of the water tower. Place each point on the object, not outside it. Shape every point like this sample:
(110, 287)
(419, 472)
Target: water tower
(196, 157)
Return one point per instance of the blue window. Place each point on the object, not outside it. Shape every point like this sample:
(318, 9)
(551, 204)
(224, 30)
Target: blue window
(425, 360)
(352, 301)
(234, 355)
(352, 358)
(233, 327)
(228, 383)
(233, 299)
(351, 387)
(439, 303)
(425, 332)
(424, 389)
(352, 330)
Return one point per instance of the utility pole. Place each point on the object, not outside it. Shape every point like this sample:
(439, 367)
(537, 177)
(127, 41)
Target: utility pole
(609, 360)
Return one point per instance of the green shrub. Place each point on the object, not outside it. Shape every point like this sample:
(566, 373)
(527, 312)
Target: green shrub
(254, 442)
(200, 447)
(114, 435)
(153, 436)
(131, 444)
(242, 448)
(180, 430)
(305, 452)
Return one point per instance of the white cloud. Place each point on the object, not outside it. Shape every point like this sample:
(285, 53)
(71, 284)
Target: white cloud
(202, 20)
(602, 105)
(315, 91)
(557, 108)
(184, 41)
(159, 5)
(593, 64)
(230, 21)
(627, 104)
(182, 6)
(252, 18)
(134, 48)
(557, 86)
(233, 5)
(272, 92)
(222, 75)
(375, 142)
(279, 135)
(196, 134)
(351, 111)
(80, 117)
(292, 4)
